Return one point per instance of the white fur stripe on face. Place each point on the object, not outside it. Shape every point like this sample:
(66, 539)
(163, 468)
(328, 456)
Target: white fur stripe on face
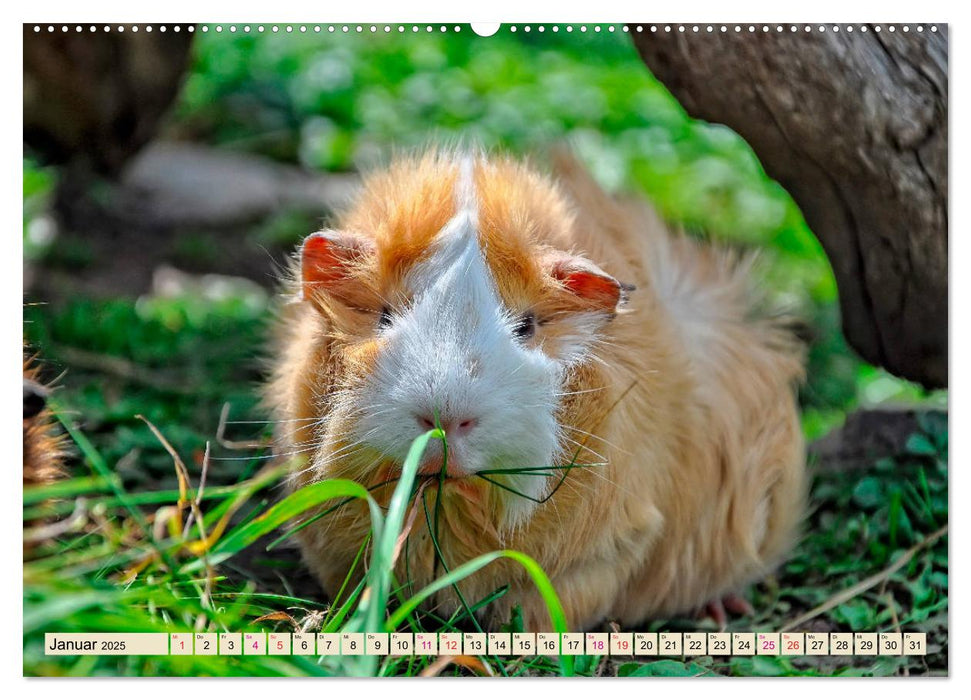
(465, 194)
(456, 298)
(451, 354)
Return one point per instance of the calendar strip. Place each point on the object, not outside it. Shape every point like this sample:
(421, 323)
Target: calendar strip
(630, 644)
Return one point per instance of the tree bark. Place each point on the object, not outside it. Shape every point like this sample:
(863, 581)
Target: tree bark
(854, 126)
(95, 98)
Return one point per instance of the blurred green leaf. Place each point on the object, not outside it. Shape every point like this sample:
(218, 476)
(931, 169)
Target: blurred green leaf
(663, 668)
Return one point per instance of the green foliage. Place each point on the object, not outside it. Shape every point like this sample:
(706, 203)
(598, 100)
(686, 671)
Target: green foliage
(338, 101)
(174, 360)
(170, 583)
(38, 228)
(861, 523)
(665, 668)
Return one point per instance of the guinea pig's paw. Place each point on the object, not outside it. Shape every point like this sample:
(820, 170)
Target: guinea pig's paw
(732, 603)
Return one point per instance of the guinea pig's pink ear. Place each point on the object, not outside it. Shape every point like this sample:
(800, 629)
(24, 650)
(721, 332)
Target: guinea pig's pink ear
(328, 260)
(591, 285)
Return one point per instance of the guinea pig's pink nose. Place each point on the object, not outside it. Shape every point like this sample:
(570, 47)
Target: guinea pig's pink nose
(451, 426)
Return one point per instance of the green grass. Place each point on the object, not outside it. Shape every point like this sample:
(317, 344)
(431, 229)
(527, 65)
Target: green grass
(130, 568)
(123, 569)
(862, 521)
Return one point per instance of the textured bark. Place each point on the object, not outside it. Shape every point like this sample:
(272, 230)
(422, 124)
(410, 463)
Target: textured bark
(854, 126)
(93, 99)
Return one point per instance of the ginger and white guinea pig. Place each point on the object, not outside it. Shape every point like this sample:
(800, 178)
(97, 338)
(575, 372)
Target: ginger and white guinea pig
(541, 323)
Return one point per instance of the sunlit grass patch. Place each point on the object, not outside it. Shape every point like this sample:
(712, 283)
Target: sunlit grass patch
(101, 558)
(114, 564)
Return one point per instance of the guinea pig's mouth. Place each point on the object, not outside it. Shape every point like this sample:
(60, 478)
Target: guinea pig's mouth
(433, 467)
(450, 476)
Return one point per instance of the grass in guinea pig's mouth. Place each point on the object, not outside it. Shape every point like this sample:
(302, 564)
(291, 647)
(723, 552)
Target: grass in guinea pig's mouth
(491, 476)
(552, 470)
(159, 560)
(488, 475)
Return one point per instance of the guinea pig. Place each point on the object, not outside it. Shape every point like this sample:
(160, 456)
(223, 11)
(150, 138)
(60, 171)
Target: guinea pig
(614, 402)
(43, 447)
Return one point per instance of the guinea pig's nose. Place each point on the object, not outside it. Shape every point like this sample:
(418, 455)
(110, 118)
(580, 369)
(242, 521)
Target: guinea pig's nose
(452, 426)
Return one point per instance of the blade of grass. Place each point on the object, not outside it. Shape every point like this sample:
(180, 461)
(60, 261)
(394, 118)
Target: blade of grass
(369, 615)
(310, 521)
(145, 498)
(66, 489)
(97, 463)
(535, 571)
(60, 607)
(293, 505)
(333, 624)
(542, 471)
(350, 571)
(440, 559)
(867, 583)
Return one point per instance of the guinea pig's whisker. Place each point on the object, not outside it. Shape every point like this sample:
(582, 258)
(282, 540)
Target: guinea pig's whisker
(308, 446)
(271, 422)
(593, 436)
(359, 408)
(576, 488)
(256, 457)
(332, 457)
(376, 414)
(314, 440)
(370, 434)
(583, 446)
(343, 452)
(580, 391)
(305, 448)
(302, 448)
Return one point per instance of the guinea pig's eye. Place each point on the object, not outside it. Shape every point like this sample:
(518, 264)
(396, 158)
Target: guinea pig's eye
(525, 327)
(384, 320)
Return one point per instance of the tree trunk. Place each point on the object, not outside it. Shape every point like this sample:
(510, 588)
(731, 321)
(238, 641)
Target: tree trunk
(95, 98)
(854, 126)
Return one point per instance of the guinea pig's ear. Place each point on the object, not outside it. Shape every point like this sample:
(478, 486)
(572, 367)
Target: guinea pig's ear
(592, 286)
(328, 260)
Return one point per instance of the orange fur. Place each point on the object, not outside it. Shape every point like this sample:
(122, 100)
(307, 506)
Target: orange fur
(43, 447)
(691, 404)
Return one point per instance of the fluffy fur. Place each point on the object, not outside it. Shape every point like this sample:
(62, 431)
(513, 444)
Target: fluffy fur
(680, 400)
(43, 446)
